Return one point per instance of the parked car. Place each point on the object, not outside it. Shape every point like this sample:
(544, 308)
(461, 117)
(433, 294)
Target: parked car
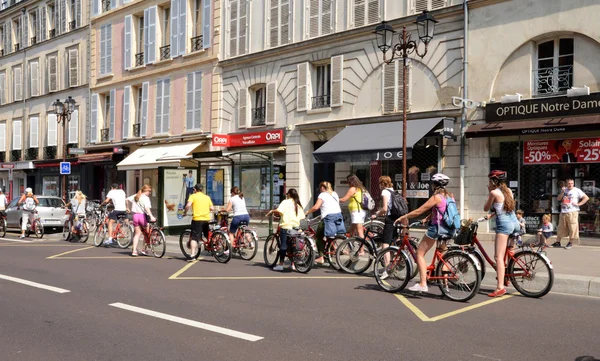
(50, 212)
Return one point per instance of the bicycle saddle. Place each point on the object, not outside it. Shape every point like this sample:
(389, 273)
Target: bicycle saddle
(243, 223)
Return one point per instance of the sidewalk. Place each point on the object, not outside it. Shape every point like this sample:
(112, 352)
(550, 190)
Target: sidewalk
(576, 271)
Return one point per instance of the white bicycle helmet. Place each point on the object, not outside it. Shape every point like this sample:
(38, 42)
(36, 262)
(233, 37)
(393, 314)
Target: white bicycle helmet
(440, 180)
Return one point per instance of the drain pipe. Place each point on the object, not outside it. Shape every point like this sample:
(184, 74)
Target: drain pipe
(463, 119)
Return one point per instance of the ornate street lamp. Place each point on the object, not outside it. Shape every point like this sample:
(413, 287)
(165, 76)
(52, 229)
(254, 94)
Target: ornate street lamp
(63, 111)
(384, 34)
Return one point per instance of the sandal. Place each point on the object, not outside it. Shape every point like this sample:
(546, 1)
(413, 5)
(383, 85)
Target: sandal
(498, 293)
(134, 254)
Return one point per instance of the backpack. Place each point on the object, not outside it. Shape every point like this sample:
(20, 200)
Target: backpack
(368, 203)
(399, 206)
(451, 216)
(29, 204)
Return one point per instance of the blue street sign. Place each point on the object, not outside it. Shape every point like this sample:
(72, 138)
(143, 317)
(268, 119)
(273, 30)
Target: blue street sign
(65, 168)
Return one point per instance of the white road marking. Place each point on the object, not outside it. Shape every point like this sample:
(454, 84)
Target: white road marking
(187, 322)
(486, 357)
(16, 240)
(34, 284)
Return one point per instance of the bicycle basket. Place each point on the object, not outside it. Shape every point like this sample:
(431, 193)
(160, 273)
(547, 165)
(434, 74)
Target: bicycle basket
(465, 234)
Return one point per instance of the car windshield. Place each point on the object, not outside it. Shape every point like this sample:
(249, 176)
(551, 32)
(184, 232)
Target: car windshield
(13, 203)
(50, 202)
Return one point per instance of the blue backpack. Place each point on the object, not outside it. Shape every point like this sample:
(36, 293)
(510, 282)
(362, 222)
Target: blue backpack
(451, 215)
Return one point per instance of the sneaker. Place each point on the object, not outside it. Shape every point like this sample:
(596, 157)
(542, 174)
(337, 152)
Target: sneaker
(384, 275)
(145, 253)
(22, 236)
(556, 245)
(292, 267)
(134, 254)
(278, 268)
(569, 245)
(418, 288)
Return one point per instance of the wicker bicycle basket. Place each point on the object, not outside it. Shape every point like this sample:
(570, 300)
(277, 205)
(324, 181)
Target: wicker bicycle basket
(465, 234)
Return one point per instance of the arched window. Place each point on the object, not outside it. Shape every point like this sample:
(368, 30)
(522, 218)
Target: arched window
(553, 72)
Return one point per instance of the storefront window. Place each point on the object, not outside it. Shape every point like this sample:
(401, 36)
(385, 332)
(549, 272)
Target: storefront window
(50, 186)
(255, 184)
(72, 186)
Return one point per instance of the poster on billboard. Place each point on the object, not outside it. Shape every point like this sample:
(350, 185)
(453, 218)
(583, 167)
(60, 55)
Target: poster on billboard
(215, 187)
(554, 151)
(178, 184)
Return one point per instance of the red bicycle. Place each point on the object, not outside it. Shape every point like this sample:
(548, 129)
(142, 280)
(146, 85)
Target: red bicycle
(216, 244)
(301, 248)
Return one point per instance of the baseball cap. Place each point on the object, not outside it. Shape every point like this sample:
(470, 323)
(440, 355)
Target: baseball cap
(28, 190)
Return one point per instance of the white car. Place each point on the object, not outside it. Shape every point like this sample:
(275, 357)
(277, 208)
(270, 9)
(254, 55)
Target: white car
(50, 212)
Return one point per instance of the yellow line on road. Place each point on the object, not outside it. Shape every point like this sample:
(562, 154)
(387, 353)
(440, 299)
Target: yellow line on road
(174, 275)
(64, 253)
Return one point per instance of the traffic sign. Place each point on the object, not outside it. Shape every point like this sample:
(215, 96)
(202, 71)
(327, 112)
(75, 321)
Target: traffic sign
(65, 168)
(76, 151)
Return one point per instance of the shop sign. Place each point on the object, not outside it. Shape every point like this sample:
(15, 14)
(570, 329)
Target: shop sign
(418, 190)
(392, 154)
(248, 139)
(543, 108)
(7, 165)
(554, 151)
(118, 150)
(76, 151)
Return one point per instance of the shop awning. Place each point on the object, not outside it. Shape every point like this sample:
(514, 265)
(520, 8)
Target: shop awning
(53, 163)
(161, 155)
(533, 127)
(95, 157)
(366, 141)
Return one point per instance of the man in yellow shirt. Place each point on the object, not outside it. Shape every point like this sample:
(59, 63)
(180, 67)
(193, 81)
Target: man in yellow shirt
(201, 208)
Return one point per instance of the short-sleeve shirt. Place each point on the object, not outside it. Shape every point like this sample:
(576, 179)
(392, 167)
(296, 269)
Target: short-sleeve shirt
(547, 227)
(3, 202)
(571, 196)
(118, 198)
(78, 208)
(238, 205)
(290, 217)
(189, 182)
(330, 204)
(201, 204)
(387, 193)
(140, 205)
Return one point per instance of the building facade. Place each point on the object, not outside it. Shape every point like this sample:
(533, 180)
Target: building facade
(43, 57)
(534, 66)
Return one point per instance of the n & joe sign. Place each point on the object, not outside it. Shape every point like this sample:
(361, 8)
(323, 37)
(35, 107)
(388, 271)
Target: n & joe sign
(248, 139)
(580, 150)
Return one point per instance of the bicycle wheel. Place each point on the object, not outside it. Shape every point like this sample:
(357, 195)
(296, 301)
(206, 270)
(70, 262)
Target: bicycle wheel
(330, 252)
(374, 225)
(158, 243)
(84, 233)
(532, 274)
(271, 251)
(186, 246)
(125, 235)
(3, 227)
(66, 233)
(305, 257)
(221, 249)
(248, 246)
(463, 277)
(348, 255)
(100, 235)
(38, 229)
(395, 276)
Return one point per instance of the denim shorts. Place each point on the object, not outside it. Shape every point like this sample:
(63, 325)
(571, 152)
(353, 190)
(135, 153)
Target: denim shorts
(435, 230)
(507, 224)
(334, 224)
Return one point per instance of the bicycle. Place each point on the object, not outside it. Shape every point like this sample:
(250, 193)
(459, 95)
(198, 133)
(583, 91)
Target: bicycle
(94, 214)
(245, 242)
(456, 272)
(331, 243)
(154, 238)
(2, 224)
(216, 244)
(122, 232)
(82, 230)
(521, 266)
(34, 226)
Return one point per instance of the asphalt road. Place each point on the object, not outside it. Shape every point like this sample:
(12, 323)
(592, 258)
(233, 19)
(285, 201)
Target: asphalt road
(115, 307)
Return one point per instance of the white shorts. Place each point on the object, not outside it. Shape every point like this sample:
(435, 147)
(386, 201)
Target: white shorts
(358, 217)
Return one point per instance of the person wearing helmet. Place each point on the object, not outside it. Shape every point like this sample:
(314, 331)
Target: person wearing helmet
(29, 202)
(437, 204)
(502, 203)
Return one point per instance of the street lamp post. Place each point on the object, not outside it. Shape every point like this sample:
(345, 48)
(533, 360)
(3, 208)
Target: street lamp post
(63, 111)
(384, 34)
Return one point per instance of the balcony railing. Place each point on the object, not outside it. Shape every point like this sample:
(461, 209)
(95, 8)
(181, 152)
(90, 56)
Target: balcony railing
(197, 43)
(165, 52)
(104, 135)
(258, 116)
(139, 59)
(72, 25)
(17, 46)
(31, 154)
(552, 81)
(136, 130)
(50, 152)
(105, 5)
(321, 101)
(33, 41)
(2, 156)
(15, 155)
(51, 33)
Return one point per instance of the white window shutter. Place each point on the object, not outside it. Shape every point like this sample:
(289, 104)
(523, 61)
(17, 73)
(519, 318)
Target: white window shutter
(144, 110)
(314, 18)
(270, 112)
(174, 28)
(2, 137)
(302, 87)
(34, 77)
(359, 8)
(166, 106)
(151, 35)
(63, 15)
(147, 36)
(233, 27)
(2, 88)
(52, 130)
(182, 36)
(34, 132)
(17, 135)
(108, 48)
(285, 16)
(43, 24)
(420, 5)
(18, 79)
(93, 118)
(242, 107)
(197, 100)
(337, 81)
(73, 67)
(400, 97)
(438, 4)
(95, 7)
(273, 24)
(373, 11)
(389, 87)
(194, 101)
(52, 74)
(77, 13)
(189, 103)
(24, 30)
(37, 25)
(207, 24)
(74, 127)
(126, 111)
(128, 42)
(327, 19)
(103, 50)
(243, 27)
(111, 126)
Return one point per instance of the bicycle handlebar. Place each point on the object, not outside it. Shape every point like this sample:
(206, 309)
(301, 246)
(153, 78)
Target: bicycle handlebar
(482, 219)
(414, 224)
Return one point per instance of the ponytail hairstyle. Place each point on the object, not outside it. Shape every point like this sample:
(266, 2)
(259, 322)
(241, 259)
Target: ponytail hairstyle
(145, 188)
(236, 192)
(509, 201)
(293, 194)
(353, 181)
(327, 187)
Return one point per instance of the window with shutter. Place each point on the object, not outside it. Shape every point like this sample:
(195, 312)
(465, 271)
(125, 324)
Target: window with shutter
(150, 16)
(182, 27)
(270, 113)
(94, 118)
(52, 131)
(73, 67)
(18, 83)
(418, 6)
(126, 111)
(16, 135)
(174, 28)
(43, 24)
(144, 109)
(162, 106)
(25, 30)
(106, 49)
(74, 127)
(34, 78)
(393, 98)
(366, 12)
(2, 88)
(33, 25)
(52, 73)
(207, 15)
(337, 81)
(302, 74)
(2, 138)
(194, 101)
(279, 23)
(320, 18)
(62, 7)
(111, 115)
(33, 132)
(128, 42)
(242, 107)
(238, 27)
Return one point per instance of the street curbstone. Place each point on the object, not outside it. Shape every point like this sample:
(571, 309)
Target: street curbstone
(594, 287)
(571, 284)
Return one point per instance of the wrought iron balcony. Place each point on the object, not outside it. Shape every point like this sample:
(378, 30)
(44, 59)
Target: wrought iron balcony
(552, 81)
(321, 101)
(31, 153)
(165, 52)
(2, 156)
(51, 33)
(197, 43)
(139, 59)
(105, 5)
(33, 41)
(136, 130)
(17, 46)
(72, 25)
(15, 155)
(258, 116)
(104, 135)
(50, 152)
